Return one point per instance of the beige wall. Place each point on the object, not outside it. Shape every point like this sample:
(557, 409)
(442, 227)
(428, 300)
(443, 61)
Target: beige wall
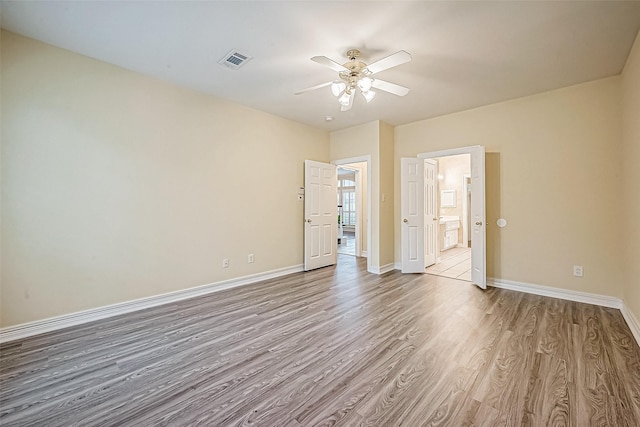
(374, 139)
(356, 142)
(116, 186)
(631, 170)
(553, 171)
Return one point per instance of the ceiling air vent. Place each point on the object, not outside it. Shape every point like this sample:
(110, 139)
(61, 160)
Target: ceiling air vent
(234, 59)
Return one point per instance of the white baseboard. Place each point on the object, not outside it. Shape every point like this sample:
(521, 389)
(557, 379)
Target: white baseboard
(383, 269)
(24, 330)
(632, 321)
(398, 266)
(547, 291)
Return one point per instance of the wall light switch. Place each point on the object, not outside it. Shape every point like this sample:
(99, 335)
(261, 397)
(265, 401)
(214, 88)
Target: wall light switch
(225, 263)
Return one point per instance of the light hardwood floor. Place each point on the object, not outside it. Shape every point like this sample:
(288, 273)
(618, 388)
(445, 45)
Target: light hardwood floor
(335, 346)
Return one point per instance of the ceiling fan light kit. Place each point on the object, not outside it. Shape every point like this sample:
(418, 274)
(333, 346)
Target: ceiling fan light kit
(365, 84)
(369, 95)
(345, 98)
(337, 87)
(355, 75)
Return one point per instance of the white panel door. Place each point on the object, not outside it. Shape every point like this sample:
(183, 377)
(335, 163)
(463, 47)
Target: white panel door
(478, 220)
(412, 213)
(430, 213)
(320, 215)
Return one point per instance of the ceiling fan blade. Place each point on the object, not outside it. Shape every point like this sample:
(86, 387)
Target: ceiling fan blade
(309, 89)
(348, 107)
(390, 87)
(323, 60)
(390, 61)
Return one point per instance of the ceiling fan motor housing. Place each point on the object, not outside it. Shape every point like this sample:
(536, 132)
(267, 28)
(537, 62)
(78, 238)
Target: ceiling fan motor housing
(357, 70)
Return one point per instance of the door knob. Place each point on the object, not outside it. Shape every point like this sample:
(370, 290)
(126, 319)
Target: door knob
(309, 221)
(405, 220)
(478, 222)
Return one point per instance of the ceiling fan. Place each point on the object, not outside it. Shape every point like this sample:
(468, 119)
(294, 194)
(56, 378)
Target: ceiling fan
(355, 74)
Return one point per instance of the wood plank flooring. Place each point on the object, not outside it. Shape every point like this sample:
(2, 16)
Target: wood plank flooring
(335, 346)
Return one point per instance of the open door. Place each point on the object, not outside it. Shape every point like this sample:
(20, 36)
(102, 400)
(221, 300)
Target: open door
(431, 219)
(320, 215)
(413, 181)
(478, 219)
(412, 213)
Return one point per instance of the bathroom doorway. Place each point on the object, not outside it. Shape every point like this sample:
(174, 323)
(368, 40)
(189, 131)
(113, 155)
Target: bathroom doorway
(454, 206)
(413, 184)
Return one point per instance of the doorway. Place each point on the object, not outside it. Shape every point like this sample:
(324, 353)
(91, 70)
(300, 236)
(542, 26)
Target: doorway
(453, 191)
(451, 196)
(354, 206)
(349, 199)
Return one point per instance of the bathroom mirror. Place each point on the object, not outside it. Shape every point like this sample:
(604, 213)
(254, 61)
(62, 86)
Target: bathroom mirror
(448, 199)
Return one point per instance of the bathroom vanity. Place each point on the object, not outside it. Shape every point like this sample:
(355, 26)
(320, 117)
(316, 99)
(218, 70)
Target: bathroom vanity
(449, 226)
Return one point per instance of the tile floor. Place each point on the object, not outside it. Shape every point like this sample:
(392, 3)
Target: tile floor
(454, 263)
(347, 245)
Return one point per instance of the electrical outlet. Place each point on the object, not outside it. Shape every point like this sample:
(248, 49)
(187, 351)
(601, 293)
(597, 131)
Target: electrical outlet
(250, 258)
(225, 263)
(578, 271)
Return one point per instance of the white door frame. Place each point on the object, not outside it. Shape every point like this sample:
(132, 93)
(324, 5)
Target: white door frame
(465, 150)
(367, 160)
(431, 239)
(465, 210)
(358, 245)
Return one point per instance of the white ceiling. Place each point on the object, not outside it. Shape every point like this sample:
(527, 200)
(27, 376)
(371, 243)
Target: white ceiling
(465, 54)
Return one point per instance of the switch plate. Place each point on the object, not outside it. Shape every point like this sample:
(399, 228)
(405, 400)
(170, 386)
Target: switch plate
(250, 258)
(578, 271)
(225, 263)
